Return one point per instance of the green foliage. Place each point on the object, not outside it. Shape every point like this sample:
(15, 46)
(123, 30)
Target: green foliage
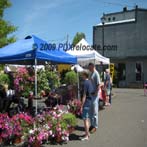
(6, 27)
(62, 75)
(69, 119)
(42, 81)
(47, 80)
(78, 37)
(70, 78)
(53, 79)
(3, 5)
(2, 67)
(25, 78)
(4, 79)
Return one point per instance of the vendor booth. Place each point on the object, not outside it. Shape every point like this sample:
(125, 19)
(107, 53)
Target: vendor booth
(33, 51)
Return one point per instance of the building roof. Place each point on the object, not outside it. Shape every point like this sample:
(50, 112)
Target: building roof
(117, 22)
(127, 20)
(127, 10)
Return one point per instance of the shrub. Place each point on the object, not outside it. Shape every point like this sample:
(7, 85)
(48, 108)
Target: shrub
(70, 78)
(69, 119)
(4, 79)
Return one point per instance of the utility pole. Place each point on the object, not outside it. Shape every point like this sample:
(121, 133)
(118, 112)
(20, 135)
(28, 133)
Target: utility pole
(67, 38)
(103, 23)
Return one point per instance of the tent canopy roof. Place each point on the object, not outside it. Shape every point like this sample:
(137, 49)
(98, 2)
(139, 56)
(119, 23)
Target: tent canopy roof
(25, 51)
(85, 53)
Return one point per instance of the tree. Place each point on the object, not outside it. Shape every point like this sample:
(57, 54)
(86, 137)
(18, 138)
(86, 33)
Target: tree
(6, 27)
(78, 37)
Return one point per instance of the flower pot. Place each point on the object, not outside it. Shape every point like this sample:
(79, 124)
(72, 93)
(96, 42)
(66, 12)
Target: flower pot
(1, 140)
(71, 129)
(36, 144)
(59, 139)
(17, 140)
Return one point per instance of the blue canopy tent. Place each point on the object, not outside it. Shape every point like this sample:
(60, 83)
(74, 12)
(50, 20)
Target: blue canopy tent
(25, 52)
(33, 51)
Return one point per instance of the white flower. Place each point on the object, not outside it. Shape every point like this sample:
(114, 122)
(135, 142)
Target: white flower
(63, 138)
(46, 126)
(50, 132)
(60, 111)
(53, 135)
(68, 107)
(66, 138)
(31, 131)
(54, 113)
(59, 115)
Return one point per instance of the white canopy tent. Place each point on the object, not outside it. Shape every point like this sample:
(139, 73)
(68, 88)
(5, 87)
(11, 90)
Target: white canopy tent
(85, 54)
(77, 67)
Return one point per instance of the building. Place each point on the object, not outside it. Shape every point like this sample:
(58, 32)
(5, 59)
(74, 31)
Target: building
(122, 36)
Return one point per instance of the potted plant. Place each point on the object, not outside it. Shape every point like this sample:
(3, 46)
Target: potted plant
(70, 120)
(75, 106)
(43, 84)
(21, 124)
(4, 80)
(53, 79)
(5, 129)
(37, 135)
(24, 81)
(70, 78)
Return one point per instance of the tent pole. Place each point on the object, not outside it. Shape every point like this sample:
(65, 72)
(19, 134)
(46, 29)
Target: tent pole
(78, 85)
(36, 83)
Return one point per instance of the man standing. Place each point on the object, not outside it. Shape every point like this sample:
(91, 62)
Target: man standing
(95, 78)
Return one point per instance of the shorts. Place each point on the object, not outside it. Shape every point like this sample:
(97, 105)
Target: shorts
(85, 113)
(86, 109)
(107, 92)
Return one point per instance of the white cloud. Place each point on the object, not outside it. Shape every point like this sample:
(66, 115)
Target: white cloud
(36, 13)
(41, 8)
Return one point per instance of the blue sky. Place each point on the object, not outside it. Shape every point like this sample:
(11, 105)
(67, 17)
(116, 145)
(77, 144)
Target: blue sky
(52, 20)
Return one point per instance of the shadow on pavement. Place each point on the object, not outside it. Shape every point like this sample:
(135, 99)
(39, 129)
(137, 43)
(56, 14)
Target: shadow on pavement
(79, 128)
(73, 137)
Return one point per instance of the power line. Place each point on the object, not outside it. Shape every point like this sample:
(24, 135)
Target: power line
(117, 4)
(58, 39)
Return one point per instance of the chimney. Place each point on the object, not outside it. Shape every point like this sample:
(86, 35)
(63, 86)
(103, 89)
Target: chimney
(136, 7)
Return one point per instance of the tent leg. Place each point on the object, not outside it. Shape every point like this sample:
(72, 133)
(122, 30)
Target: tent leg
(36, 83)
(78, 86)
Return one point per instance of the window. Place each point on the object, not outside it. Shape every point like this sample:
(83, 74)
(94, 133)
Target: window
(121, 71)
(138, 71)
(109, 19)
(113, 18)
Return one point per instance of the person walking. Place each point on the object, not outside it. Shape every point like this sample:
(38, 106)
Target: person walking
(95, 78)
(86, 104)
(107, 86)
(111, 85)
